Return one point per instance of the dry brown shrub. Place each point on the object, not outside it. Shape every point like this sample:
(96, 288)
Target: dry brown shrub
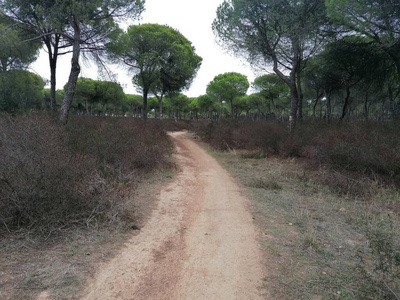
(54, 177)
(365, 150)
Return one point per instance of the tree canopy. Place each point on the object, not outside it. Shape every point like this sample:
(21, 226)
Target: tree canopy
(282, 33)
(70, 26)
(228, 86)
(163, 60)
(20, 90)
(15, 51)
(378, 20)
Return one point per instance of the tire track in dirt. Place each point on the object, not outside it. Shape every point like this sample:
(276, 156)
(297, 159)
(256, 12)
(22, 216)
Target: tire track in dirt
(200, 242)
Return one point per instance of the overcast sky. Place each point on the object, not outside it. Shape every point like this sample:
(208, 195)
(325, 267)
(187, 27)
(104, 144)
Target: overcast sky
(193, 19)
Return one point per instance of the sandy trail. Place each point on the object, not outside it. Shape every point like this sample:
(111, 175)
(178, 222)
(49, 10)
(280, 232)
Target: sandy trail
(200, 242)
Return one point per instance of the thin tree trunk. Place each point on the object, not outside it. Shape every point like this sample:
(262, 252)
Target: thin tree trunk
(74, 74)
(4, 65)
(87, 107)
(160, 105)
(328, 106)
(53, 56)
(392, 104)
(366, 110)
(346, 103)
(317, 98)
(382, 109)
(291, 82)
(144, 107)
(300, 96)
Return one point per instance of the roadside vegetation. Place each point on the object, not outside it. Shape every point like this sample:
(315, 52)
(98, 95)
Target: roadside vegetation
(66, 191)
(326, 201)
(54, 177)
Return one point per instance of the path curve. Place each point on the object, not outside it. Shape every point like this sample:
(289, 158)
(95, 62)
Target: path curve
(200, 242)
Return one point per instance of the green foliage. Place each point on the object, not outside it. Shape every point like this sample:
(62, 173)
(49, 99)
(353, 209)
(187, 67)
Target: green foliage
(134, 104)
(64, 24)
(177, 105)
(99, 96)
(270, 86)
(275, 93)
(109, 93)
(227, 87)
(15, 51)
(20, 90)
(378, 20)
(207, 105)
(350, 66)
(162, 58)
(281, 33)
(258, 104)
(85, 92)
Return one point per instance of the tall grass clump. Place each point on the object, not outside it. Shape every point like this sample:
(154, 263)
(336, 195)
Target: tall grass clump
(54, 177)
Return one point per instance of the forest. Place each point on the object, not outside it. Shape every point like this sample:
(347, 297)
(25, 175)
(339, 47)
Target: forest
(328, 100)
(323, 60)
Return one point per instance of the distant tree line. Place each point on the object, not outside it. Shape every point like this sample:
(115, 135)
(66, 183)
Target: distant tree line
(339, 58)
(327, 59)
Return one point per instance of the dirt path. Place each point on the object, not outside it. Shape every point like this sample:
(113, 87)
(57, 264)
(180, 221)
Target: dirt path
(200, 242)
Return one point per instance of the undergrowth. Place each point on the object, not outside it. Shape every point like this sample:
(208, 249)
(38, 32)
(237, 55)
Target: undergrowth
(326, 197)
(53, 177)
(353, 153)
(319, 244)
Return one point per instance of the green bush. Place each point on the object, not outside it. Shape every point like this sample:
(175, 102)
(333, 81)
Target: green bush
(20, 90)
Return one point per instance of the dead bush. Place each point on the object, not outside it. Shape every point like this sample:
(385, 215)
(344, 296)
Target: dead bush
(54, 177)
(120, 144)
(367, 150)
(263, 136)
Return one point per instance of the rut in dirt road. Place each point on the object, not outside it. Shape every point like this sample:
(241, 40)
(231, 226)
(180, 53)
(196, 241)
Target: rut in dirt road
(200, 242)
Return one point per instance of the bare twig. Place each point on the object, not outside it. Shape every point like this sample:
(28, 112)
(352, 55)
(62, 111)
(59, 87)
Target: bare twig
(5, 224)
(387, 286)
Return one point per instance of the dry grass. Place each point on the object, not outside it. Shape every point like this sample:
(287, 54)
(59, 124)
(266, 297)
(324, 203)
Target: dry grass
(320, 244)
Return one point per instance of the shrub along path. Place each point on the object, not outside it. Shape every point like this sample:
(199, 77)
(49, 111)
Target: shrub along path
(200, 242)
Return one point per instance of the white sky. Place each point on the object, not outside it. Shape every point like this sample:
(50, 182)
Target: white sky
(193, 19)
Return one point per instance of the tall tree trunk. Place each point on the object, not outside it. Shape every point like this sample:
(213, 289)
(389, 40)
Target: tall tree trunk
(144, 107)
(52, 50)
(317, 98)
(366, 110)
(328, 106)
(4, 65)
(291, 82)
(293, 105)
(393, 106)
(160, 105)
(87, 107)
(382, 110)
(75, 70)
(300, 95)
(346, 103)
(232, 110)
